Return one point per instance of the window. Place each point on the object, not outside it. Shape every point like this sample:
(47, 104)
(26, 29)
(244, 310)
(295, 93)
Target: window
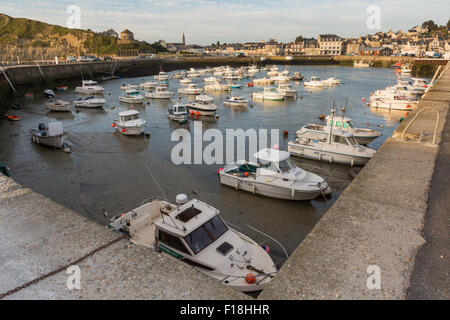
(172, 241)
(286, 165)
(340, 139)
(206, 234)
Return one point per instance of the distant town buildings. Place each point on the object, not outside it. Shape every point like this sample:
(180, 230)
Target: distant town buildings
(330, 44)
(126, 37)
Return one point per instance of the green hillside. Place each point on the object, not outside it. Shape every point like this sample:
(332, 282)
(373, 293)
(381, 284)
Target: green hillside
(35, 36)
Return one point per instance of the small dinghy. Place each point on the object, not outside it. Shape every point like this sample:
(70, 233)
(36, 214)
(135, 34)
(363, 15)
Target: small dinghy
(129, 123)
(90, 102)
(178, 113)
(50, 134)
(61, 88)
(49, 93)
(193, 232)
(236, 101)
(58, 105)
(12, 117)
(273, 175)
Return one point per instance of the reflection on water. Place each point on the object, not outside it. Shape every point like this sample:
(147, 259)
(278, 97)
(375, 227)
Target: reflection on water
(109, 170)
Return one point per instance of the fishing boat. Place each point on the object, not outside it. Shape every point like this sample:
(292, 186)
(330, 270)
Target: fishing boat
(162, 76)
(315, 82)
(362, 135)
(236, 101)
(193, 232)
(203, 106)
(148, 85)
(50, 134)
(217, 86)
(178, 113)
(58, 105)
(273, 175)
(89, 102)
(129, 123)
(325, 143)
(132, 96)
(192, 88)
(286, 90)
(49, 93)
(89, 87)
(159, 93)
(129, 86)
(269, 93)
(263, 81)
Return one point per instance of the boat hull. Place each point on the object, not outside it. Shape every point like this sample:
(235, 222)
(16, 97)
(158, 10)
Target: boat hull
(131, 100)
(131, 131)
(57, 141)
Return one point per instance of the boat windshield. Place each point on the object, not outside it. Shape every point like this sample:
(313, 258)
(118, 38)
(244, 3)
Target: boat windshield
(206, 234)
(286, 165)
(180, 109)
(131, 117)
(349, 123)
(352, 140)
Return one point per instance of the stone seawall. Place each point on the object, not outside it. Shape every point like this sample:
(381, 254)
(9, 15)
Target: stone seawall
(5, 94)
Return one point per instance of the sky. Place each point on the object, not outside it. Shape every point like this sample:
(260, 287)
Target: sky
(206, 21)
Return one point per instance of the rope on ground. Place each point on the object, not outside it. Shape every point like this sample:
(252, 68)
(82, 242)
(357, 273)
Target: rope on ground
(61, 268)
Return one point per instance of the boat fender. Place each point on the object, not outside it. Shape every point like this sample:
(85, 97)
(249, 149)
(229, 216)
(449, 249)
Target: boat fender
(41, 126)
(246, 174)
(266, 248)
(250, 278)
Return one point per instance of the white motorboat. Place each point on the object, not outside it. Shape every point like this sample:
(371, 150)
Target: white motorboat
(132, 96)
(58, 105)
(297, 76)
(50, 134)
(148, 84)
(332, 81)
(129, 123)
(273, 175)
(49, 93)
(129, 86)
(406, 68)
(263, 81)
(315, 82)
(362, 135)
(217, 86)
(191, 88)
(273, 71)
(159, 93)
(178, 113)
(162, 76)
(420, 83)
(286, 90)
(179, 75)
(269, 93)
(203, 106)
(395, 103)
(281, 79)
(89, 102)
(410, 88)
(324, 143)
(231, 77)
(89, 87)
(193, 232)
(361, 64)
(236, 101)
(210, 80)
(185, 81)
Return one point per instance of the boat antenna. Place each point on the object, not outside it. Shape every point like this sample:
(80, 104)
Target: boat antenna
(271, 238)
(343, 111)
(156, 182)
(333, 111)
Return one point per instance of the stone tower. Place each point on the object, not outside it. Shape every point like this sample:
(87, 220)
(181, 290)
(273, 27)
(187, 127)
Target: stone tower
(184, 40)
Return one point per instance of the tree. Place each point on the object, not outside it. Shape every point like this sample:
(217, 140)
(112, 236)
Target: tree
(448, 23)
(299, 39)
(430, 25)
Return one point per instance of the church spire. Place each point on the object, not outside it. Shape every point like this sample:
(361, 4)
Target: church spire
(184, 40)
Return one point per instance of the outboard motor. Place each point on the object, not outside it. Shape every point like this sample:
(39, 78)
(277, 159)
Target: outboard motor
(41, 126)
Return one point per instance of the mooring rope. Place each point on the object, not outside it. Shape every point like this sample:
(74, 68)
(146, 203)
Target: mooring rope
(61, 268)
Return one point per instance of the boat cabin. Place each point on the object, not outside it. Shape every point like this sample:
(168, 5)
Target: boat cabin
(316, 134)
(339, 122)
(178, 109)
(128, 115)
(89, 83)
(315, 79)
(202, 99)
(132, 92)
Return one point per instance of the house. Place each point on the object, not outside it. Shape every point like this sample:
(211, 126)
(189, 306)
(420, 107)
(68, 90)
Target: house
(311, 47)
(177, 46)
(376, 51)
(126, 37)
(330, 44)
(352, 47)
(295, 48)
(273, 48)
(437, 43)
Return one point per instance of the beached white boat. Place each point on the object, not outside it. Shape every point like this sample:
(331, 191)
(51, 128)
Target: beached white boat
(50, 134)
(286, 90)
(203, 106)
(361, 64)
(217, 86)
(324, 143)
(89, 87)
(314, 82)
(236, 101)
(160, 93)
(162, 76)
(191, 88)
(193, 232)
(362, 135)
(148, 84)
(89, 102)
(49, 93)
(332, 81)
(269, 93)
(132, 96)
(178, 113)
(129, 123)
(58, 105)
(274, 175)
